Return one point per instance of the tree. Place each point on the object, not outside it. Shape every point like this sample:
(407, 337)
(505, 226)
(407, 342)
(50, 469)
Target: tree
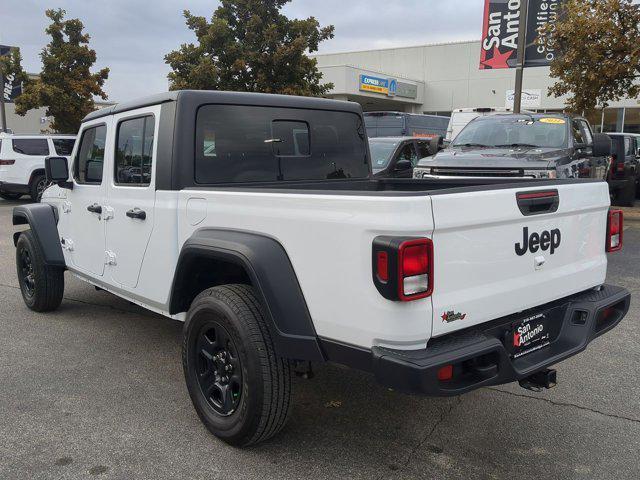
(66, 85)
(250, 46)
(597, 46)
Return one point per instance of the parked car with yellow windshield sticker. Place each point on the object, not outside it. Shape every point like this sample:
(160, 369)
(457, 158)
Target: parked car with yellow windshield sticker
(522, 146)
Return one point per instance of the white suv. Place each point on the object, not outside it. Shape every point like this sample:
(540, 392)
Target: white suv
(22, 162)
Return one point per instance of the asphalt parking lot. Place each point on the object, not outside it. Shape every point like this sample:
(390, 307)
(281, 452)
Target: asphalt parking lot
(95, 390)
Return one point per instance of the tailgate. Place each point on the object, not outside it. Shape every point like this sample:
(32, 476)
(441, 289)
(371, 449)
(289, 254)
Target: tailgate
(492, 260)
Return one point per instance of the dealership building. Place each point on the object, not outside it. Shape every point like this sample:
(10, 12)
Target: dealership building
(438, 78)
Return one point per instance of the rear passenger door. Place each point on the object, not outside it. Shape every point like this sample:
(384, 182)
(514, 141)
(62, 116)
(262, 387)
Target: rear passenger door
(131, 193)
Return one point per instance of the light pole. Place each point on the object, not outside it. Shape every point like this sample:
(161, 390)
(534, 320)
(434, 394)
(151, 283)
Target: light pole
(3, 113)
(522, 40)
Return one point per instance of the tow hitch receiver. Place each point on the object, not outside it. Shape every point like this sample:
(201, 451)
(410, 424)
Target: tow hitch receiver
(543, 379)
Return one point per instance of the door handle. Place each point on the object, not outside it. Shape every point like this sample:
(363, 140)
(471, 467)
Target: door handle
(137, 213)
(95, 208)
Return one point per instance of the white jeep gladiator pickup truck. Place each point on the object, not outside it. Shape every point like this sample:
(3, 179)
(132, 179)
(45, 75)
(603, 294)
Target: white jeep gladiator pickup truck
(255, 219)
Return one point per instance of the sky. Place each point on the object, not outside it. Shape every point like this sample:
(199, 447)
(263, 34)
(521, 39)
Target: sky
(131, 37)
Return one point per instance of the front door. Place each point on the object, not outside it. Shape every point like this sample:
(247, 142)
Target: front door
(83, 211)
(131, 194)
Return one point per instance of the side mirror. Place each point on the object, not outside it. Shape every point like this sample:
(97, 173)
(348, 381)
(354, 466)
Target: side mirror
(601, 145)
(403, 165)
(57, 171)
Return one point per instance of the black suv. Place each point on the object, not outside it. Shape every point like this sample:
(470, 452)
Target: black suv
(624, 176)
(522, 146)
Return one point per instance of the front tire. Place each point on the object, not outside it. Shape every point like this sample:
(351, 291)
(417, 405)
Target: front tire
(42, 286)
(239, 387)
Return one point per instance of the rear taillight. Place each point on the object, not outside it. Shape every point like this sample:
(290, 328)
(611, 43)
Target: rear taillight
(7, 162)
(403, 267)
(414, 278)
(615, 228)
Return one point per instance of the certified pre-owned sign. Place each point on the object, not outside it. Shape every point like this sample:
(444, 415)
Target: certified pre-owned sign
(10, 89)
(500, 32)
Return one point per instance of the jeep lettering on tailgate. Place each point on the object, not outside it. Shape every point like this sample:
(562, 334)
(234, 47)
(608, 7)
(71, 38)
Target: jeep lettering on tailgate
(538, 241)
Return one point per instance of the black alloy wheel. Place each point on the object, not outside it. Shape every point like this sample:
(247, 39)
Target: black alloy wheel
(218, 368)
(41, 186)
(28, 275)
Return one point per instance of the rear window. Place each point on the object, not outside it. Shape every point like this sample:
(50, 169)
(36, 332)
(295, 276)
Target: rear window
(31, 146)
(238, 144)
(64, 146)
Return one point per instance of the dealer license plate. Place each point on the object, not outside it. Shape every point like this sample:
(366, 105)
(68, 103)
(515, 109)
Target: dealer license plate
(530, 334)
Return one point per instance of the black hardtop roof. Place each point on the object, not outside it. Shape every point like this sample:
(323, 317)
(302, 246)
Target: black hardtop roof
(233, 98)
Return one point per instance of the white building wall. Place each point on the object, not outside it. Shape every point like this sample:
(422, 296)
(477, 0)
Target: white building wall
(451, 75)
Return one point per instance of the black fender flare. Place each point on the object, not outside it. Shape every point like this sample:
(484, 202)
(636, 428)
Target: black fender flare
(272, 275)
(42, 220)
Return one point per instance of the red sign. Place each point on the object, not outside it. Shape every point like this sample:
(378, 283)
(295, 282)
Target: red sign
(499, 46)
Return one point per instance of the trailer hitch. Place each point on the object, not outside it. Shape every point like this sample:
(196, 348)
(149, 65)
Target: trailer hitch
(543, 379)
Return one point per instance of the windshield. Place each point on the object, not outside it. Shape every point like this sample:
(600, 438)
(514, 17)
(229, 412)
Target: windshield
(381, 152)
(525, 131)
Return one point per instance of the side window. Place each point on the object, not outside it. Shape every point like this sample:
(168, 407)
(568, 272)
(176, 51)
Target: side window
(577, 133)
(408, 152)
(134, 151)
(90, 158)
(586, 132)
(424, 149)
(31, 146)
(241, 144)
(628, 146)
(581, 132)
(63, 146)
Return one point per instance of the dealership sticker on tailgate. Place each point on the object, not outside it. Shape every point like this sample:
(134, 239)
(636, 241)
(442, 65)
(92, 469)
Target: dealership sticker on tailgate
(529, 335)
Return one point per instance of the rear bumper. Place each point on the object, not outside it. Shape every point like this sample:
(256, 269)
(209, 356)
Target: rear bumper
(13, 188)
(479, 353)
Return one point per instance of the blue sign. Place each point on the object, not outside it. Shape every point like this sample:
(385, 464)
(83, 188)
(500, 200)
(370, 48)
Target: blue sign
(374, 84)
(385, 86)
(393, 88)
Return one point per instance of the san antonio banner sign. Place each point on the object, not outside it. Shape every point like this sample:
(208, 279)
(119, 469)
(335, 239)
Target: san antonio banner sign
(500, 32)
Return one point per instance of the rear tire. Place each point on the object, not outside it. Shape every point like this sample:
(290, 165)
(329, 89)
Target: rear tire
(239, 387)
(10, 195)
(37, 186)
(626, 196)
(42, 286)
